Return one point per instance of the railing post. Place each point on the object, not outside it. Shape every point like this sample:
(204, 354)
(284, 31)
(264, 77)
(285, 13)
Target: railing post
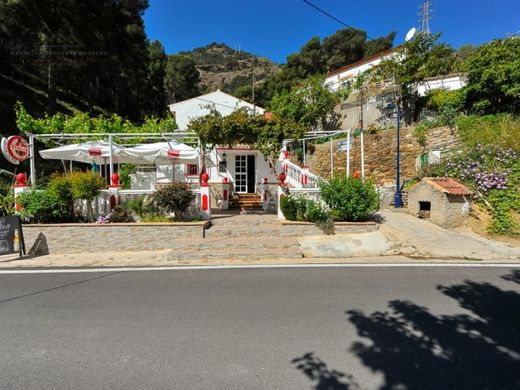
(113, 189)
(281, 193)
(19, 187)
(305, 176)
(225, 194)
(205, 206)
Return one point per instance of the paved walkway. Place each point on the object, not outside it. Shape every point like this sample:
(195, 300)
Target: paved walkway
(254, 239)
(415, 237)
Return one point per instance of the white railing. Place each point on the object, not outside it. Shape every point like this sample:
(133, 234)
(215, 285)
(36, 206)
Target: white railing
(309, 193)
(102, 204)
(301, 177)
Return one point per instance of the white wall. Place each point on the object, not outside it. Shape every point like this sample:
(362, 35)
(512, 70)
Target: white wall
(262, 167)
(341, 79)
(448, 82)
(199, 106)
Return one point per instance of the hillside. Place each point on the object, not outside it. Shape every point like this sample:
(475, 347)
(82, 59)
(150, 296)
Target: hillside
(222, 67)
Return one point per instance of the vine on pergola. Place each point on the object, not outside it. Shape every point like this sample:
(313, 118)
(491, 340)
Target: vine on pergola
(240, 127)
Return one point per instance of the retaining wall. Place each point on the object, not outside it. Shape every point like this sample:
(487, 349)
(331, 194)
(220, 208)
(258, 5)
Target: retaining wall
(81, 238)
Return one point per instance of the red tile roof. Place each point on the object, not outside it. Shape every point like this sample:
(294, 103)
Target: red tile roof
(448, 186)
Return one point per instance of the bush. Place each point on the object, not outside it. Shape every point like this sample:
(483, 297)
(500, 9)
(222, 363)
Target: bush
(447, 104)
(288, 207)
(61, 186)
(86, 185)
(174, 198)
(298, 208)
(42, 207)
(502, 130)
(120, 214)
(349, 199)
(7, 204)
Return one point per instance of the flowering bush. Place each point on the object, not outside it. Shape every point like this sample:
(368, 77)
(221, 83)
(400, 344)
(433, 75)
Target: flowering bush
(494, 174)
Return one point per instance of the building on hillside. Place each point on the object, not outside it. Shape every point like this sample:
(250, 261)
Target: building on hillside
(443, 201)
(240, 165)
(376, 107)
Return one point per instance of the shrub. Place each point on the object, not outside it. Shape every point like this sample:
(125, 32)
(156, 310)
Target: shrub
(42, 206)
(299, 208)
(288, 207)
(349, 199)
(61, 186)
(174, 198)
(502, 130)
(120, 214)
(7, 204)
(86, 185)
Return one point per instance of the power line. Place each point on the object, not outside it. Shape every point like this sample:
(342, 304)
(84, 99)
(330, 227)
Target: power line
(332, 17)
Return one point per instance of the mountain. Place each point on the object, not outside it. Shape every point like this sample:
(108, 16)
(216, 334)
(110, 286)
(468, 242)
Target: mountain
(222, 67)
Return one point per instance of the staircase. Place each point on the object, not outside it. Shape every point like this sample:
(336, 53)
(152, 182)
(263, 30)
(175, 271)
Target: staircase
(242, 237)
(247, 202)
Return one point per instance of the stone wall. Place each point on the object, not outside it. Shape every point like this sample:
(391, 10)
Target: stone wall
(82, 238)
(380, 153)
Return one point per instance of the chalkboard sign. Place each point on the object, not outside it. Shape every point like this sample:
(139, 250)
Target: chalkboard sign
(11, 235)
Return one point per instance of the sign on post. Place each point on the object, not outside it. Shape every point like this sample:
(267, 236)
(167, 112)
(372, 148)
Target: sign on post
(11, 235)
(343, 146)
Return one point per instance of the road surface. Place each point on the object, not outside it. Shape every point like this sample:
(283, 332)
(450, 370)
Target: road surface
(318, 328)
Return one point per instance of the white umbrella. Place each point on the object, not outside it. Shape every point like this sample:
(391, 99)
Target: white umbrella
(162, 153)
(87, 152)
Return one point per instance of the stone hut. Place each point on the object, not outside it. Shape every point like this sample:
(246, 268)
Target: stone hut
(443, 201)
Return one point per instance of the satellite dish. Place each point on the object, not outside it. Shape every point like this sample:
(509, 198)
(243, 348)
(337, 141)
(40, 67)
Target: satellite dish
(410, 34)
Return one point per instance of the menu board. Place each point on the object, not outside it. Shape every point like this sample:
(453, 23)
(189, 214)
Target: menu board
(11, 236)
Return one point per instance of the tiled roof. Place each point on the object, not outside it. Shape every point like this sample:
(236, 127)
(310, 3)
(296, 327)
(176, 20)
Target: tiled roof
(448, 186)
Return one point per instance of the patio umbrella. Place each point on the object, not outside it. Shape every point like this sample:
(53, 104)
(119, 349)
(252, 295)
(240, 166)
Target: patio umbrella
(87, 152)
(162, 153)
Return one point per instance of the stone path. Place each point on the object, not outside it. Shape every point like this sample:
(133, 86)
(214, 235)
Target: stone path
(412, 236)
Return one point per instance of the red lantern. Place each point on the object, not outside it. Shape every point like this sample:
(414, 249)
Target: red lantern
(204, 178)
(225, 180)
(282, 176)
(21, 180)
(114, 180)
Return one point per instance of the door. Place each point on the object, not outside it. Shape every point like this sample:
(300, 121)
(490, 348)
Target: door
(251, 174)
(245, 173)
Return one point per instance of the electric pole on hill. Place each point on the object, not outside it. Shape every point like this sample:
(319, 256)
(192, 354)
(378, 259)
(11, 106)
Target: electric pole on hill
(425, 14)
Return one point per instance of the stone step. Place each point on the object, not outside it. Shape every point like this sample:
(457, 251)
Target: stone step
(256, 231)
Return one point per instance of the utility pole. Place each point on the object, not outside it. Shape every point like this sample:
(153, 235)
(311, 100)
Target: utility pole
(253, 94)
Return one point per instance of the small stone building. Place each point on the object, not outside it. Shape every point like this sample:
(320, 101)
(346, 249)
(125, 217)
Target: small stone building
(443, 201)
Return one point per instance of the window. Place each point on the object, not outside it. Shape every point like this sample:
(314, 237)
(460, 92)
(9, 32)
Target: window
(192, 170)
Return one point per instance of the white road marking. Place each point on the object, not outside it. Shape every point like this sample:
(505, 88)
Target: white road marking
(257, 266)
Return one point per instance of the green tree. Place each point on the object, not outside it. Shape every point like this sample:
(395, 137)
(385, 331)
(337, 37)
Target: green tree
(417, 59)
(311, 104)
(493, 72)
(181, 79)
(156, 101)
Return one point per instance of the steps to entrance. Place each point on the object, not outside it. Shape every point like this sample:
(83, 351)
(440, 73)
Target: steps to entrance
(247, 202)
(240, 236)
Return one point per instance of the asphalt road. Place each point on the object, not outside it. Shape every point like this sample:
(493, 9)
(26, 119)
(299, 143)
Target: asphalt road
(320, 328)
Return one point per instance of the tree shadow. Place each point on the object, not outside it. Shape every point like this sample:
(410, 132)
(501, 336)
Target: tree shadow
(323, 377)
(415, 349)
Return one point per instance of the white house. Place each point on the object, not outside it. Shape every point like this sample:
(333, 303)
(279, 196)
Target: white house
(242, 166)
(199, 106)
(343, 77)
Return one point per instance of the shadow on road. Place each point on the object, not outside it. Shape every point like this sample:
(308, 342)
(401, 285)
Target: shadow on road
(415, 349)
(58, 287)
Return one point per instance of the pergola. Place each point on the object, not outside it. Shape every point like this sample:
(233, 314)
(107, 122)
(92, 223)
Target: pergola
(184, 137)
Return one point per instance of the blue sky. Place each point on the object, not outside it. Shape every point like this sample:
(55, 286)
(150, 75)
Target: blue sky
(277, 28)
